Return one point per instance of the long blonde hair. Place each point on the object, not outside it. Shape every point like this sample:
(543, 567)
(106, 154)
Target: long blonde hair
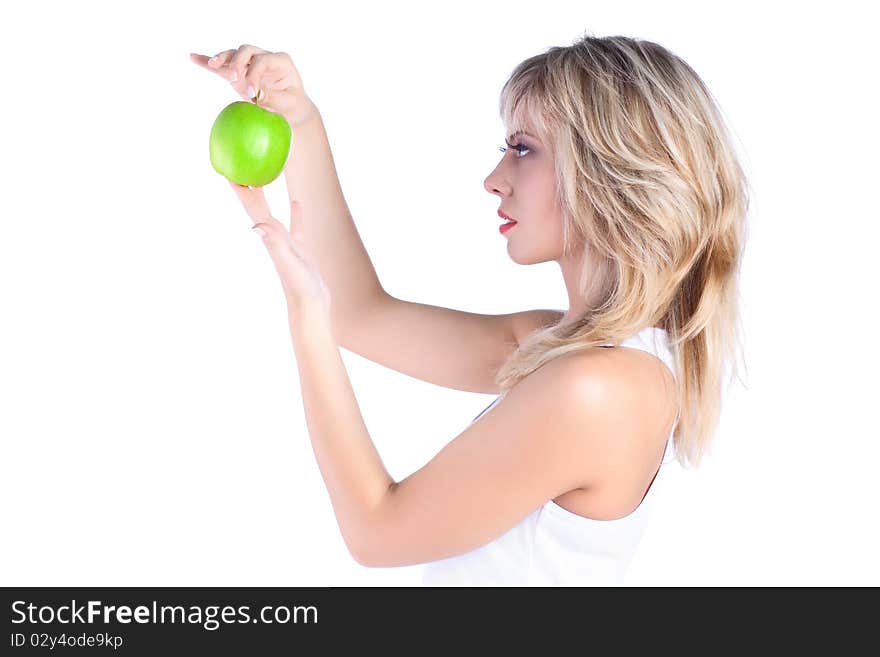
(649, 182)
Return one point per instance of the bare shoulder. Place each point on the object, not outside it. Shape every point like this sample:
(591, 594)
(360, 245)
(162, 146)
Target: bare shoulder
(626, 395)
(629, 408)
(623, 377)
(601, 411)
(624, 400)
(635, 386)
(630, 379)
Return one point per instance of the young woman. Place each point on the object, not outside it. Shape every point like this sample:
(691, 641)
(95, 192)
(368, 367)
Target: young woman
(619, 167)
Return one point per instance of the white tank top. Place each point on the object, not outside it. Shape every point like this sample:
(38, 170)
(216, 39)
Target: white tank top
(553, 546)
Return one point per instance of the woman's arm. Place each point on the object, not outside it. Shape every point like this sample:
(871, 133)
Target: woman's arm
(329, 231)
(353, 472)
(550, 434)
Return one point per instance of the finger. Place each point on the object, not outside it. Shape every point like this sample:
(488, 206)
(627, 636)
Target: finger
(218, 64)
(201, 60)
(297, 225)
(206, 63)
(214, 64)
(262, 75)
(286, 254)
(221, 58)
(254, 202)
(297, 230)
(299, 248)
(238, 64)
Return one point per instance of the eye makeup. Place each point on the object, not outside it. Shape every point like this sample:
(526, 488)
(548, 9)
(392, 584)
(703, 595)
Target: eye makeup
(521, 149)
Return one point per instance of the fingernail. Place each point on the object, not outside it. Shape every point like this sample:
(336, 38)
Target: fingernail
(250, 92)
(259, 231)
(233, 76)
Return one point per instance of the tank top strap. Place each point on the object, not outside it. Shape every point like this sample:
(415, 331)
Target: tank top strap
(653, 340)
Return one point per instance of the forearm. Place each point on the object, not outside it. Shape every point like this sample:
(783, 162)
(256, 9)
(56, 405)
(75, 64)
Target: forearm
(331, 237)
(350, 465)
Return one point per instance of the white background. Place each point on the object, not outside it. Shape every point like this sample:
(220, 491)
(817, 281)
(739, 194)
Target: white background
(152, 429)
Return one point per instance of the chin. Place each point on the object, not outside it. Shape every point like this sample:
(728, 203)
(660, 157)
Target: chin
(529, 258)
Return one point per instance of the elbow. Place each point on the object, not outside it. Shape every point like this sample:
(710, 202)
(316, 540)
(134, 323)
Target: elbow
(381, 554)
(359, 551)
(376, 559)
(362, 557)
(369, 556)
(370, 545)
(368, 548)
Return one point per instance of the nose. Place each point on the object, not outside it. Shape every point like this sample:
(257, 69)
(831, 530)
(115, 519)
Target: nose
(495, 184)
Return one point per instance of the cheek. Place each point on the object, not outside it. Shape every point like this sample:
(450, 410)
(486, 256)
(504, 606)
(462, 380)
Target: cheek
(547, 212)
(548, 231)
(537, 241)
(541, 238)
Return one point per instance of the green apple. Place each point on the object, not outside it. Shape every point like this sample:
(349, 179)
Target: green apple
(249, 145)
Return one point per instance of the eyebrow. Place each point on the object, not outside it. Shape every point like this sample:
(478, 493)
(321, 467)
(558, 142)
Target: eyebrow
(522, 132)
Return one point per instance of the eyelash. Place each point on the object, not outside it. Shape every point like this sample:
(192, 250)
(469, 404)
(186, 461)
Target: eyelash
(519, 148)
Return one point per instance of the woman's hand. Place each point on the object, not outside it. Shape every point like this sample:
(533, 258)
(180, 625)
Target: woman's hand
(303, 286)
(268, 78)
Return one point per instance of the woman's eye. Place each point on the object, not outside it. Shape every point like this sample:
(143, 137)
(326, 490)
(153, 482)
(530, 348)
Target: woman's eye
(519, 148)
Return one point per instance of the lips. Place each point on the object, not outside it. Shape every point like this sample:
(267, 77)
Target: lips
(504, 216)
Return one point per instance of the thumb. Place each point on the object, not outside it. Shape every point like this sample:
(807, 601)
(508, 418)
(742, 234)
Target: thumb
(271, 96)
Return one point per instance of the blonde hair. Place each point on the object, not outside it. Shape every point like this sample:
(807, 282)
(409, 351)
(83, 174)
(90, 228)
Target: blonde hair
(649, 182)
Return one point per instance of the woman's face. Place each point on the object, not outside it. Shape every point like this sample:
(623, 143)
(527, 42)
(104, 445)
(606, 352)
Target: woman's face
(525, 181)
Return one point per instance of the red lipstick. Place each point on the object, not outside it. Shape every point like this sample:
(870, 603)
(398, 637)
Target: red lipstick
(505, 227)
